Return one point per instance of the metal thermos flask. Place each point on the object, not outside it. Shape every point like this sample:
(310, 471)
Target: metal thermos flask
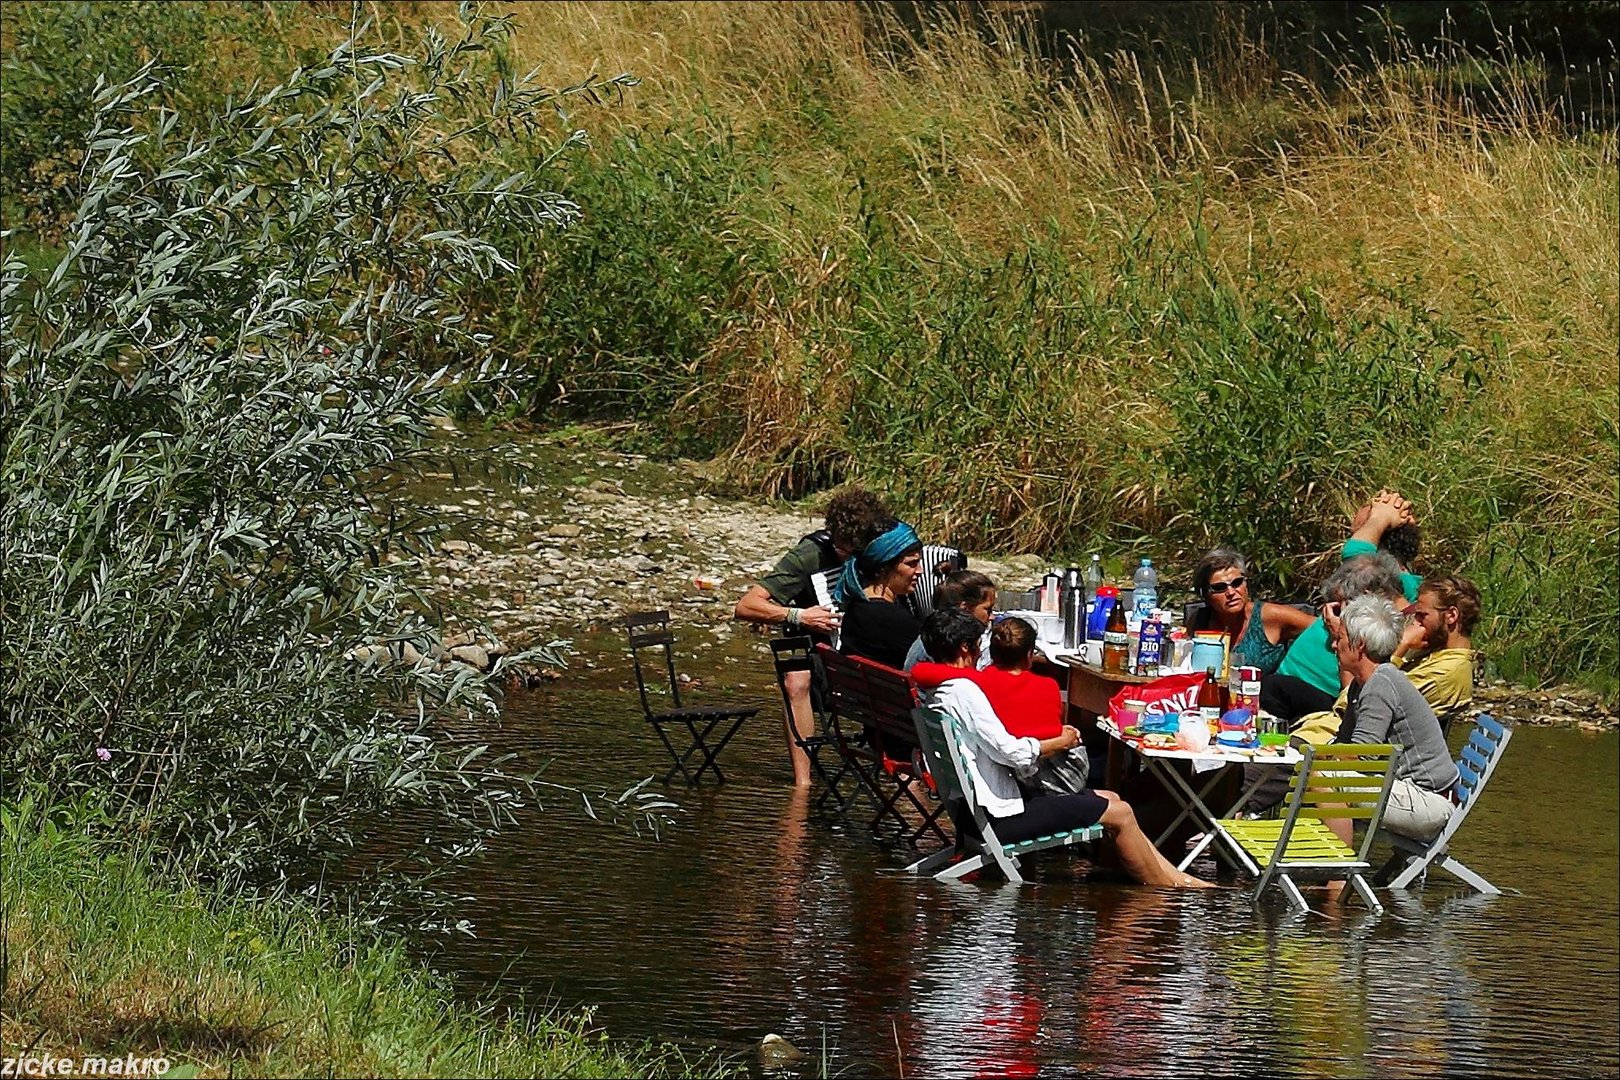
(1074, 618)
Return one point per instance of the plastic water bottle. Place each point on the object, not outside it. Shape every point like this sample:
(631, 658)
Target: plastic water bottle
(1146, 593)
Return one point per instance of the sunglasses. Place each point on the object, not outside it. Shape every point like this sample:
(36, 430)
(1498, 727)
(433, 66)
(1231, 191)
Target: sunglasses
(1218, 587)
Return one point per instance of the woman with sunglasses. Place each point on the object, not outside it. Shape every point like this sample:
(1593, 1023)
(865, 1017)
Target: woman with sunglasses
(1259, 632)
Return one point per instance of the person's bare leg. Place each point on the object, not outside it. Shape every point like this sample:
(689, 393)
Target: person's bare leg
(802, 720)
(1345, 829)
(1137, 853)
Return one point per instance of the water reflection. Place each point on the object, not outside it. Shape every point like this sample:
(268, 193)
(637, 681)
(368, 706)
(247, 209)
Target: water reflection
(753, 914)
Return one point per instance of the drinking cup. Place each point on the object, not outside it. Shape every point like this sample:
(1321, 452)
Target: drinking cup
(1051, 630)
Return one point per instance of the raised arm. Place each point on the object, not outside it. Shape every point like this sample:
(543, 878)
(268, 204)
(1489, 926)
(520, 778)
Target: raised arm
(1287, 620)
(1385, 512)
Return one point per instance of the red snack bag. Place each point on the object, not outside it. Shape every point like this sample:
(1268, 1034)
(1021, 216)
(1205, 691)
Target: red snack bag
(1163, 700)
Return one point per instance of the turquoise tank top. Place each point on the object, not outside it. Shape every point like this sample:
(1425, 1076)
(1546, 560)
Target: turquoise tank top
(1257, 649)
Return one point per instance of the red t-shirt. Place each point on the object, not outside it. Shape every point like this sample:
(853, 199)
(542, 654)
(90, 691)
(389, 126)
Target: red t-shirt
(1029, 705)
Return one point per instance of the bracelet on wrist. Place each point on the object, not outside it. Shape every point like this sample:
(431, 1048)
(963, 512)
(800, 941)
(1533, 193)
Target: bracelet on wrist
(793, 615)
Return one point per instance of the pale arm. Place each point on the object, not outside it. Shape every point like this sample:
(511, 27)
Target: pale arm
(756, 606)
(1286, 622)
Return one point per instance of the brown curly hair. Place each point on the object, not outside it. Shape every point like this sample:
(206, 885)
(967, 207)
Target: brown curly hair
(851, 514)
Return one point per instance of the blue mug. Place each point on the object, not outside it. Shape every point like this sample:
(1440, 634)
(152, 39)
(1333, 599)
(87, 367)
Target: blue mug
(1207, 654)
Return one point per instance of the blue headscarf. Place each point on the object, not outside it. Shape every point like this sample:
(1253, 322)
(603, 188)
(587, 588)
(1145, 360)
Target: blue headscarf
(880, 552)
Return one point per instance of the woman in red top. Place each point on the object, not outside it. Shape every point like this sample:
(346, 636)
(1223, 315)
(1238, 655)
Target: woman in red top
(1027, 704)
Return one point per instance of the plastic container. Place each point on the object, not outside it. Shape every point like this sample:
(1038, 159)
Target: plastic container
(1192, 732)
(1237, 728)
(1107, 597)
(1209, 651)
(1052, 593)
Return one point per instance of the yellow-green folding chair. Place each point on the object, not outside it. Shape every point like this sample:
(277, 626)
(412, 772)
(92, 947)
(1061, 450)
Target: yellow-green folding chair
(1339, 780)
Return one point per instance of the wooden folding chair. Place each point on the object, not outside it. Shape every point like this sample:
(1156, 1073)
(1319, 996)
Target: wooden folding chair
(708, 728)
(1413, 858)
(1339, 780)
(839, 785)
(977, 845)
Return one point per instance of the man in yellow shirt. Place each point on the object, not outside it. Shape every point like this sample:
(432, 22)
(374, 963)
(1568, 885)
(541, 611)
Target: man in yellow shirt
(1437, 650)
(1436, 653)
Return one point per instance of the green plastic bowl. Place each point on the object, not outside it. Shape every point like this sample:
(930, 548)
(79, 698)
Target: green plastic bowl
(1273, 738)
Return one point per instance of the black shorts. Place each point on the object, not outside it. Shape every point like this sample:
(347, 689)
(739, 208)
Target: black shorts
(1051, 814)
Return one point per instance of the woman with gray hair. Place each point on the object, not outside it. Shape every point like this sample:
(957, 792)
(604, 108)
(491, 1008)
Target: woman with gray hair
(1259, 632)
(1308, 680)
(1384, 707)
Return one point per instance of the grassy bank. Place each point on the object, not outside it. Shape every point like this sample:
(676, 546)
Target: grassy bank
(1057, 303)
(101, 959)
(1057, 299)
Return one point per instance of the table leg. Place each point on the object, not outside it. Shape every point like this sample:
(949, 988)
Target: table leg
(1192, 803)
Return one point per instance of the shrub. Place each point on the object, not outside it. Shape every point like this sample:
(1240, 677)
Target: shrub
(207, 398)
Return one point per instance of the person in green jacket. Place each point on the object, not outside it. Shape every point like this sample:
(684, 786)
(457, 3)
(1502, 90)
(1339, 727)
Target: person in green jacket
(1308, 679)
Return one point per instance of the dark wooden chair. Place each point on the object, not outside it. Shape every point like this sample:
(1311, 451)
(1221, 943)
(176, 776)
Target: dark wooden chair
(706, 729)
(839, 784)
(876, 701)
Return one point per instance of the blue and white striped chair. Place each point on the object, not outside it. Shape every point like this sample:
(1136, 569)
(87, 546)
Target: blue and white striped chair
(937, 561)
(1478, 760)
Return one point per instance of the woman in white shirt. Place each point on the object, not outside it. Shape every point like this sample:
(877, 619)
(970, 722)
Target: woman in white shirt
(995, 759)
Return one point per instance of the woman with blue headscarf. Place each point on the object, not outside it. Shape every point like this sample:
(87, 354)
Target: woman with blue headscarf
(872, 590)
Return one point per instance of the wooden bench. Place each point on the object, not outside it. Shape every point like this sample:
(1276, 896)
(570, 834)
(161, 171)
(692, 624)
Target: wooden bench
(869, 707)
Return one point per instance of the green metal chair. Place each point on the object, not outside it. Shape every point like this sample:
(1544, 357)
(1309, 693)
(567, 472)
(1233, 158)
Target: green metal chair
(1339, 780)
(941, 740)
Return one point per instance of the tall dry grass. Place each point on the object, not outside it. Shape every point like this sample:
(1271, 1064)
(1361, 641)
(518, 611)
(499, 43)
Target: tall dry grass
(1057, 301)
(893, 193)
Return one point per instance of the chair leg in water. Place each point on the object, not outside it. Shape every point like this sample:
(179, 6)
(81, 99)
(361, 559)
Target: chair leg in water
(1366, 893)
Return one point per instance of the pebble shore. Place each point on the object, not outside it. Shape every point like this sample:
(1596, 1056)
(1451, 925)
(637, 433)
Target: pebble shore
(589, 534)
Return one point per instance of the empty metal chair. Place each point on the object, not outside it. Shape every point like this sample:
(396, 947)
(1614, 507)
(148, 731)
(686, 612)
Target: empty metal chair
(686, 732)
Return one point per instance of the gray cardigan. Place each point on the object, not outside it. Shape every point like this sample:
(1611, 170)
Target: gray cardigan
(1387, 708)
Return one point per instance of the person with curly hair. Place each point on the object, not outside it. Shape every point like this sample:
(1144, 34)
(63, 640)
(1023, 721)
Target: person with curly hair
(786, 598)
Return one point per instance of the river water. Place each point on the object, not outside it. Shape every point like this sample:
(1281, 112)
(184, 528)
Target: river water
(749, 914)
